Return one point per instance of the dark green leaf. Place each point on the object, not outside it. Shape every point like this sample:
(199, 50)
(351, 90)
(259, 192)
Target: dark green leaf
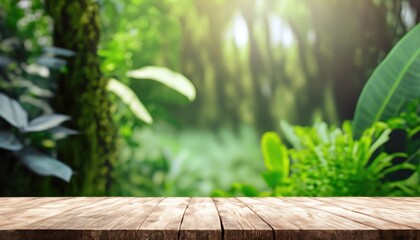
(393, 84)
(13, 112)
(61, 132)
(51, 62)
(45, 165)
(45, 122)
(4, 61)
(59, 51)
(9, 141)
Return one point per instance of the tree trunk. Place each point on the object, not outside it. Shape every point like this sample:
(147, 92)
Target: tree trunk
(263, 117)
(81, 93)
(415, 4)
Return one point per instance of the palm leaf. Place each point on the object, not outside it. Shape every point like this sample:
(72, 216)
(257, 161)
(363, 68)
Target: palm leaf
(393, 84)
(130, 99)
(174, 80)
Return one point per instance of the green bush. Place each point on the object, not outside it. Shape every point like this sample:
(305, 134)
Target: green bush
(327, 161)
(354, 160)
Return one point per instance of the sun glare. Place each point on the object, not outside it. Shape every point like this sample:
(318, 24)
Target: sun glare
(240, 31)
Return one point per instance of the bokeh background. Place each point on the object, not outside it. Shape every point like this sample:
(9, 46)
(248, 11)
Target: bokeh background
(253, 63)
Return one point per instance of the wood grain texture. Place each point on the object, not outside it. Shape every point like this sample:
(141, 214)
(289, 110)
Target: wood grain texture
(240, 222)
(283, 228)
(78, 217)
(201, 221)
(207, 218)
(314, 223)
(165, 220)
(19, 204)
(396, 212)
(39, 211)
(393, 230)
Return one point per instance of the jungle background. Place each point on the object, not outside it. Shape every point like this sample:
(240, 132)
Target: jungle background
(253, 63)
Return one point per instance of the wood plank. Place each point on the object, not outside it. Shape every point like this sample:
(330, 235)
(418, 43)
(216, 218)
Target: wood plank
(136, 213)
(409, 218)
(389, 230)
(23, 218)
(201, 221)
(18, 204)
(240, 222)
(130, 219)
(408, 202)
(283, 227)
(206, 218)
(164, 221)
(405, 199)
(314, 223)
(383, 202)
(7, 201)
(104, 219)
(22, 225)
(87, 217)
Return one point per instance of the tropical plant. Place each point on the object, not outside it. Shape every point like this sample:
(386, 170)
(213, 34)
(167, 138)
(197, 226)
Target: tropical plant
(353, 160)
(394, 84)
(173, 80)
(29, 128)
(407, 139)
(327, 161)
(19, 144)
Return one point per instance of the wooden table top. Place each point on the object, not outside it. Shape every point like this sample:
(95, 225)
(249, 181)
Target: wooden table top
(209, 218)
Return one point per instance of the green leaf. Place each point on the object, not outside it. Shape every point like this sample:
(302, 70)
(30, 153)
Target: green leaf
(61, 132)
(379, 142)
(4, 61)
(393, 84)
(273, 178)
(9, 141)
(174, 80)
(45, 122)
(290, 135)
(45, 165)
(13, 112)
(59, 51)
(246, 189)
(51, 62)
(130, 99)
(383, 161)
(275, 154)
(401, 166)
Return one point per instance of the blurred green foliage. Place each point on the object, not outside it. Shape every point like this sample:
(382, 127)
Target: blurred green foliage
(164, 161)
(329, 161)
(396, 77)
(253, 63)
(29, 129)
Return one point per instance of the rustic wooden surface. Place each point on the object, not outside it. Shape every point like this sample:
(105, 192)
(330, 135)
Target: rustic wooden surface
(209, 218)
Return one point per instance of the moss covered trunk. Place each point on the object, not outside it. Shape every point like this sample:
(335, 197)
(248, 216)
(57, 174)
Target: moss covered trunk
(81, 93)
